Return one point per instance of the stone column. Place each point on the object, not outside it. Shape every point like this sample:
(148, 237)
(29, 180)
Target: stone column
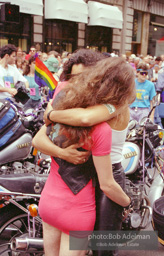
(145, 33)
(123, 32)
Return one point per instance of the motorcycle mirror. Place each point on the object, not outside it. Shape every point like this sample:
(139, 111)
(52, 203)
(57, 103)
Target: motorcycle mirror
(156, 100)
(132, 124)
(145, 119)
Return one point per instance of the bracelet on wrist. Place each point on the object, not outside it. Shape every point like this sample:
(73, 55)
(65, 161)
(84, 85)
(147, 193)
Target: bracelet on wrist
(48, 115)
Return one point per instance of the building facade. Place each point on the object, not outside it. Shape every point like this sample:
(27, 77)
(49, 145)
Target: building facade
(120, 26)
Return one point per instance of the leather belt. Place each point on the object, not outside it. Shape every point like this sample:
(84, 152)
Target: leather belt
(116, 166)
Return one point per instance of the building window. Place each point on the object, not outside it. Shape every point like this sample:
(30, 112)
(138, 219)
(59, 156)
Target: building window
(137, 27)
(60, 36)
(18, 34)
(137, 32)
(99, 38)
(156, 35)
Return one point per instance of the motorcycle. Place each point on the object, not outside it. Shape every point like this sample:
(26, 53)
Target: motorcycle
(143, 158)
(21, 234)
(19, 156)
(20, 231)
(25, 171)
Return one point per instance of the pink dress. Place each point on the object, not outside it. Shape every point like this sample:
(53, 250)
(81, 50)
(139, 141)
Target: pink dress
(62, 209)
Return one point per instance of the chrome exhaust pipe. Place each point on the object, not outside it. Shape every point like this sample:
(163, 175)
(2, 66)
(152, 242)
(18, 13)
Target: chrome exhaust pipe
(27, 244)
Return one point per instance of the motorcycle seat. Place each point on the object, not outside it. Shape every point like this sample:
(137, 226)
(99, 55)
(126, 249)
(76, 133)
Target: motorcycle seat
(23, 183)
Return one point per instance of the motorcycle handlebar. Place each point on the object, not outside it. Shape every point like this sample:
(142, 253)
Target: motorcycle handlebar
(150, 145)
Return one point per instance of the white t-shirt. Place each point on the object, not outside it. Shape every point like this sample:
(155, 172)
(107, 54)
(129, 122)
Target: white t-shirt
(118, 140)
(8, 78)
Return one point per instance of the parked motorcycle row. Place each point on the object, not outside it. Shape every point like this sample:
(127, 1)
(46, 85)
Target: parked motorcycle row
(23, 174)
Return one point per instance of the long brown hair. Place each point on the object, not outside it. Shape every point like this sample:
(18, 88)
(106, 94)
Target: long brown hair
(27, 68)
(110, 80)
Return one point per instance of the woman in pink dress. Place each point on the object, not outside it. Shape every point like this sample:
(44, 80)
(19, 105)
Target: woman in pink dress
(64, 207)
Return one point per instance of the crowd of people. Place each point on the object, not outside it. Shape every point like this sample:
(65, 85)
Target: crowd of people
(18, 66)
(22, 61)
(88, 116)
(52, 59)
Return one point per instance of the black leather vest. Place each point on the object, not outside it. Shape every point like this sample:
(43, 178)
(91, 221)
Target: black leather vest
(76, 176)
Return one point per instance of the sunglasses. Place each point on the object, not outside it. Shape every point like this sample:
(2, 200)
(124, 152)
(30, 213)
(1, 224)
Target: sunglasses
(143, 73)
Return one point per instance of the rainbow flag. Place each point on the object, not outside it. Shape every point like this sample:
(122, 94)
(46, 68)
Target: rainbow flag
(43, 77)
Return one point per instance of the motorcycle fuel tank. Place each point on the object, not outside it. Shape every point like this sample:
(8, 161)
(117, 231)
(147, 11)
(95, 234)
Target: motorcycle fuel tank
(131, 156)
(17, 150)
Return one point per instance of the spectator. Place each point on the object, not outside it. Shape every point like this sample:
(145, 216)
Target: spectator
(158, 61)
(53, 65)
(24, 64)
(136, 62)
(18, 63)
(54, 54)
(24, 53)
(160, 83)
(31, 52)
(131, 62)
(145, 91)
(64, 56)
(29, 74)
(155, 74)
(147, 60)
(39, 55)
(162, 64)
(37, 46)
(9, 75)
(160, 89)
(124, 56)
(150, 70)
(44, 56)
(19, 52)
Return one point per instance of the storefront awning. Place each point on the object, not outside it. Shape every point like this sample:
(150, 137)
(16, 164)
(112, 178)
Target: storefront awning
(28, 6)
(104, 15)
(73, 10)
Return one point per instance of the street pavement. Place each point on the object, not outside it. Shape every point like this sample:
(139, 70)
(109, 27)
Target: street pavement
(159, 252)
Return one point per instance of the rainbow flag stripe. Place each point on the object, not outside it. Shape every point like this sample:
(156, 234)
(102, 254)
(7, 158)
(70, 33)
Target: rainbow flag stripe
(43, 77)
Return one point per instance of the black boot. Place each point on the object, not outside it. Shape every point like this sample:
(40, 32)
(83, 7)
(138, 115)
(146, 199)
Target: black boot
(106, 253)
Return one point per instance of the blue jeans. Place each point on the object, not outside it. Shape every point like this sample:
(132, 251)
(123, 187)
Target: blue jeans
(139, 113)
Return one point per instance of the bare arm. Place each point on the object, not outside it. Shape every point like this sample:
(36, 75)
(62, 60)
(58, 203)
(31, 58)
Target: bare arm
(107, 182)
(12, 91)
(42, 142)
(80, 116)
